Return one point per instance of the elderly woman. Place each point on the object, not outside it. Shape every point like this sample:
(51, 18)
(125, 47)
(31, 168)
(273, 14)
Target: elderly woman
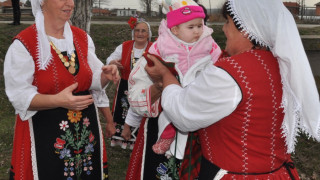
(49, 69)
(125, 57)
(251, 104)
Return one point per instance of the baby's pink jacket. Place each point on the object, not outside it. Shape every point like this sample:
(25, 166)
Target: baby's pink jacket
(169, 46)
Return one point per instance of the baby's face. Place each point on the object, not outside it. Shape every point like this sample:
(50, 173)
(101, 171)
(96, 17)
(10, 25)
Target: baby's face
(190, 31)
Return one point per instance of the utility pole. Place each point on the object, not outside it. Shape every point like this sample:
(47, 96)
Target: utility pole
(99, 8)
(210, 6)
(302, 12)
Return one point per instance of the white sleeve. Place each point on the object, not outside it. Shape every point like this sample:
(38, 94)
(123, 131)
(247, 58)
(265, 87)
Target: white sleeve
(100, 98)
(18, 74)
(116, 55)
(95, 65)
(133, 119)
(213, 95)
(139, 91)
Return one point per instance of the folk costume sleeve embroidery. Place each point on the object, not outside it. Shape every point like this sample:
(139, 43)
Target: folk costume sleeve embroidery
(21, 96)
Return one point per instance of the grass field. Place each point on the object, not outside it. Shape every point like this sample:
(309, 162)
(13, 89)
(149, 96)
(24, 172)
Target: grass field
(106, 38)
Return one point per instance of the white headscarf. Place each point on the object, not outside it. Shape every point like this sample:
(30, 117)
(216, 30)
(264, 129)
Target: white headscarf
(43, 46)
(272, 25)
(149, 29)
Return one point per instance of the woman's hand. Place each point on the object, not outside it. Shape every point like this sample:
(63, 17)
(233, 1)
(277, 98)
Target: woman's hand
(117, 63)
(160, 74)
(67, 100)
(126, 132)
(157, 71)
(110, 73)
(64, 99)
(110, 129)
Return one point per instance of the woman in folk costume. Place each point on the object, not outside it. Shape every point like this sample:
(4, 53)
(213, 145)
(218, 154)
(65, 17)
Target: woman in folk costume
(250, 105)
(186, 44)
(125, 57)
(49, 69)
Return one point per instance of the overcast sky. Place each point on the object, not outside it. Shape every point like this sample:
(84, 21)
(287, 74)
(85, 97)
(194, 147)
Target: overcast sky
(135, 4)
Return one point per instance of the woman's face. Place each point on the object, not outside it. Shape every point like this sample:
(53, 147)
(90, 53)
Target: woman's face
(141, 33)
(58, 9)
(236, 42)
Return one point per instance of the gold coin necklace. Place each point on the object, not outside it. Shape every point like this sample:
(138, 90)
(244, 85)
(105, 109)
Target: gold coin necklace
(70, 64)
(133, 59)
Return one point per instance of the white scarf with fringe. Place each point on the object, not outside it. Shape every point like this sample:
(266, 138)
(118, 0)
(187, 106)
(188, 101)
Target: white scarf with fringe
(43, 46)
(272, 25)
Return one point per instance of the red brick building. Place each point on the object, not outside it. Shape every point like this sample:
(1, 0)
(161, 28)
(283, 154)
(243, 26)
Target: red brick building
(293, 7)
(317, 9)
(6, 4)
(102, 12)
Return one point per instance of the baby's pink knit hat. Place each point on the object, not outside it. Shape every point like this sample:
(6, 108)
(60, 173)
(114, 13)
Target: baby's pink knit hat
(180, 11)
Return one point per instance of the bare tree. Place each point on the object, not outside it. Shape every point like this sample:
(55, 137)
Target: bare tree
(82, 14)
(302, 8)
(147, 5)
(100, 3)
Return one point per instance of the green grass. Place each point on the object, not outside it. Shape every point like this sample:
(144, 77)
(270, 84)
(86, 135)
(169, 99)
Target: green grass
(308, 31)
(106, 38)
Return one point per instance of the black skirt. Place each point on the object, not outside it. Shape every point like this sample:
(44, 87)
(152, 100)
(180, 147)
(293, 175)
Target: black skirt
(67, 144)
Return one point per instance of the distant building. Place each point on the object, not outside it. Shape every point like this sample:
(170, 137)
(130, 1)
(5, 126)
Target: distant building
(102, 12)
(317, 9)
(293, 7)
(6, 7)
(124, 12)
(144, 13)
(6, 3)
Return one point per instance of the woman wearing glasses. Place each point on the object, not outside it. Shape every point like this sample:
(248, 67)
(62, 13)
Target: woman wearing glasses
(125, 57)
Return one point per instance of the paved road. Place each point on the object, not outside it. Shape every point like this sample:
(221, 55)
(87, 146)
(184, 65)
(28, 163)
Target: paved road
(157, 23)
(314, 59)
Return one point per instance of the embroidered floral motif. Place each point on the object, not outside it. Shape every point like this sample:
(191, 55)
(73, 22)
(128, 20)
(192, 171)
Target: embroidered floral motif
(74, 116)
(59, 143)
(125, 105)
(168, 170)
(76, 146)
(63, 125)
(86, 122)
(105, 176)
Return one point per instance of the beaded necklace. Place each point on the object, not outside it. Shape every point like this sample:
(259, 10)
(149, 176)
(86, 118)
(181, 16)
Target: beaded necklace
(133, 59)
(68, 63)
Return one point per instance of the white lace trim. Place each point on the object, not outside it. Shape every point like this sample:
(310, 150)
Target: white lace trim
(301, 105)
(287, 125)
(238, 21)
(33, 152)
(101, 141)
(144, 146)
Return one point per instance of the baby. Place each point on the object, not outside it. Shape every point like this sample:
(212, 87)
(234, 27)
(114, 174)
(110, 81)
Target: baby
(185, 41)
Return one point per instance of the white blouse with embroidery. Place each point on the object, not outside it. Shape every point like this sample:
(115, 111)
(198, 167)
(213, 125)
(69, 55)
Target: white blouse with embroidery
(18, 72)
(117, 54)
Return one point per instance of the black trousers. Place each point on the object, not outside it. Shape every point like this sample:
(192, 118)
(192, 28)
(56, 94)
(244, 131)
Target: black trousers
(16, 11)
